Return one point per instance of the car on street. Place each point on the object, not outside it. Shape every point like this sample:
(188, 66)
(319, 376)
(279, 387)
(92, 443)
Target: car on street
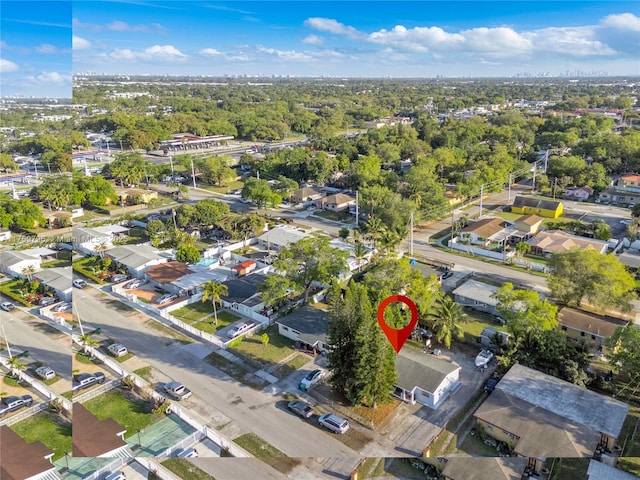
(13, 403)
(169, 297)
(63, 307)
(117, 350)
(45, 373)
(7, 306)
(177, 390)
(310, 380)
(45, 301)
(86, 380)
(238, 330)
(625, 222)
(138, 282)
(333, 423)
(303, 409)
(79, 283)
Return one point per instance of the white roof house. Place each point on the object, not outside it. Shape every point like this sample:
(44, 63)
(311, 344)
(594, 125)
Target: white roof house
(14, 262)
(86, 240)
(279, 237)
(57, 279)
(136, 258)
(477, 295)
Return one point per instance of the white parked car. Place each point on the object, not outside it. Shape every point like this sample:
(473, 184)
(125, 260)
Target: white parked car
(63, 307)
(166, 298)
(177, 390)
(117, 350)
(238, 330)
(45, 373)
(79, 283)
(7, 306)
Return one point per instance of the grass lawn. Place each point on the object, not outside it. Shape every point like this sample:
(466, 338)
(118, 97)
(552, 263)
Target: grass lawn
(476, 322)
(474, 446)
(292, 365)
(144, 372)
(185, 469)
(630, 464)
(63, 260)
(135, 236)
(193, 312)
(131, 415)
(85, 266)
(48, 429)
(569, 468)
(344, 217)
(234, 370)
(278, 348)
(168, 331)
(200, 315)
(82, 358)
(225, 188)
(267, 452)
(371, 468)
(13, 290)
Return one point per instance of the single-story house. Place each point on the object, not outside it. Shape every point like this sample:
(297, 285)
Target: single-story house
(85, 240)
(5, 235)
(528, 224)
(166, 274)
(480, 232)
(45, 254)
(601, 471)
(588, 327)
(58, 219)
(15, 263)
(244, 296)
(548, 242)
(353, 262)
(477, 295)
(136, 195)
(488, 335)
(306, 194)
(57, 279)
(192, 283)
(337, 202)
(97, 438)
(616, 196)
(308, 326)
(542, 416)
(484, 468)
(424, 378)
(631, 259)
(579, 193)
(537, 206)
(24, 460)
(136, 258)
(245, 267)
(279, 237)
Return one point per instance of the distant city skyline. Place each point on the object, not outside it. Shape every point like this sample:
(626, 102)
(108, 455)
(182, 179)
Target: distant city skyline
(44, 42)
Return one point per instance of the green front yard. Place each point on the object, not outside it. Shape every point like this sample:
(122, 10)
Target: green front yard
(87, 266)
(63, 260)
(275, 351)
(225, 188)
(476, 322)
(267, 452)
(200, 315)
(14, 290)
(344, 217)
(49, 429)
(185, 469)
(132, 415)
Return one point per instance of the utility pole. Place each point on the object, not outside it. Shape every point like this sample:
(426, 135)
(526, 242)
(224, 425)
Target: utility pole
(171, 163)
(546, 160)
(481, 195)
(6, 342)
(451, 238)
(193, 173)
(533, 185)
(357, 209)
(411, 235)
(509, 197)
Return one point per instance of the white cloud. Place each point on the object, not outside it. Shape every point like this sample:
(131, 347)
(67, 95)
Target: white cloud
(48, 78)
(156, 53)
(46, 48)
(284, 54)
(574, 41)
(210, 51)
(80, 43)
(418, 39)
(622, 21)
(119, 26)
(7, 66)
(333, 26)
(313, 40)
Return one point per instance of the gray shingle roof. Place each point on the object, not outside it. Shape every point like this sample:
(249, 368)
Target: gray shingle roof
(312, 323)
(422, 370)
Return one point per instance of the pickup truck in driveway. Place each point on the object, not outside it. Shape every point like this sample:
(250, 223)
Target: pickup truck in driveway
(177, 390)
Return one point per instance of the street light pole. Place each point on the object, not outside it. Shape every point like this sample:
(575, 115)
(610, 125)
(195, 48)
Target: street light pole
(6, 342)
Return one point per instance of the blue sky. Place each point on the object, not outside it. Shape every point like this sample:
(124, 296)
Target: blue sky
(361, 38)
(35, 48)
(335, 38)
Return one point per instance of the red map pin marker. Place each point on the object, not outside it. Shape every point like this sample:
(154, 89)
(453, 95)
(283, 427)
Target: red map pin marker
(397, 337)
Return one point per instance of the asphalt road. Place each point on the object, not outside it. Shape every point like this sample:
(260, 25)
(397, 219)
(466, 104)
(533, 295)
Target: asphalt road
(251, 410)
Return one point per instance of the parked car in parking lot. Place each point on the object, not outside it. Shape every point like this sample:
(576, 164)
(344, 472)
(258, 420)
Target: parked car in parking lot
(45, 373)
(238, 330)
(7, 306)
(13, 403)
(310, 380)
(177, 390)
(333, 423)
(117, 350)
(300, 408)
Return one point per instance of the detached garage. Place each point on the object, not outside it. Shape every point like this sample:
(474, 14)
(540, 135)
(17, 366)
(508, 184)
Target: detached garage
(424, 378)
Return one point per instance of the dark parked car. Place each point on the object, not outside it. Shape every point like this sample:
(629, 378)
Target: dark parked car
(491, 385)
(86, 380)
(302, 409)
(11, 404)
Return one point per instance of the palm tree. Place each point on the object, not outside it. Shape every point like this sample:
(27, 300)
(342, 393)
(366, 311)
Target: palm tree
(101, 247)
(28, 271)
(389, 239)
(89, 342)
(214, 290)
(16, 365)
(374, 229)
(359, 252)
(448, 315)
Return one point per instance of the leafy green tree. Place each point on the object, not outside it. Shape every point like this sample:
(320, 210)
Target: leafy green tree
(585, 274)
(285, 186)
(216, 170)
(6, 163)
(311, 260)
(525, 311)
(187, 253)
(624, 350)
(275, 288)
(155, 229)
(56, 190)
(264, 339)
(522, 248)
(447, 317)
(210, 212)
(128, 168)
(258, 191)
(214, 290)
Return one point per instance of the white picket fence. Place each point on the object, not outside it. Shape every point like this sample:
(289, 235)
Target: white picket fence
(97, 391)
(18, 417)
(110, 467)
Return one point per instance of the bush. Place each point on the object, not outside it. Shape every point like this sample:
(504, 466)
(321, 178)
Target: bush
(235, 342)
